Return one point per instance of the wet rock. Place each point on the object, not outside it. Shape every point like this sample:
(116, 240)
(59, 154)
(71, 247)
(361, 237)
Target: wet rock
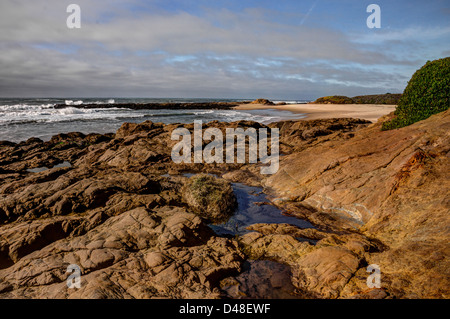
(320, 270)
(287, 229)
(243, 176)
(260, 279)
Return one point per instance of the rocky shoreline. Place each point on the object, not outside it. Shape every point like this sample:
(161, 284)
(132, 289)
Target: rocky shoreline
(137, 228)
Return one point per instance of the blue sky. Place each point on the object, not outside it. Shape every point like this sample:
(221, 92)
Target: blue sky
(223, 49)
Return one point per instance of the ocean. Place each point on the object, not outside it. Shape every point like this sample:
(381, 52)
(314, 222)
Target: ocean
(23, 118)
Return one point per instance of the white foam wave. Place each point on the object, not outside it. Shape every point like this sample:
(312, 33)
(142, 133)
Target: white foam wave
(110, 101)
(24, 107)
(203, 112)
(70, 102)
(10, 114)
(291, 101)
(237, 115)
(46, 113)
(80, 102)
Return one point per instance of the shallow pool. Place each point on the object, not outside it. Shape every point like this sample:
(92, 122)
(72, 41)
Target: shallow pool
(253, 208)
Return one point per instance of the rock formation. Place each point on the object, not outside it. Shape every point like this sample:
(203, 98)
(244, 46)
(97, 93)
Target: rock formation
(262, 101)
(391, 187)
(210, 197)
(124, 213)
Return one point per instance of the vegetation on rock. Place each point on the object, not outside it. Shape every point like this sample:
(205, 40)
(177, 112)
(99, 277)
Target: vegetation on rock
(335, 99)
(427, 93)
(212, 198)
(388, 98)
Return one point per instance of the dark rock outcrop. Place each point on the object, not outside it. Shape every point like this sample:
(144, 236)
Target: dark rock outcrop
(262, 101)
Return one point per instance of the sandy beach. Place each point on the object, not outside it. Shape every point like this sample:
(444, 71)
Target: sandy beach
(370, 112)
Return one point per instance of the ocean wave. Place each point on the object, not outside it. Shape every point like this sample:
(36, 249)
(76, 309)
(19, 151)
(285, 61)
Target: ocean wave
(75, 110)
(110, 101)
(46, 113)
(62, 121)
(80, 102)
(204, 112)
(51, 115)
(70, 102)
(292, 101)
(25, 107)
(171, 114)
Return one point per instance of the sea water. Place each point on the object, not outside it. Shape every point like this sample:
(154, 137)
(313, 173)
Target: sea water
(22, 118)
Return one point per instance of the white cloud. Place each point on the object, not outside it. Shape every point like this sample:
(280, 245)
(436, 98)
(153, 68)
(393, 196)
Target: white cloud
(157, 53)
(415, 34)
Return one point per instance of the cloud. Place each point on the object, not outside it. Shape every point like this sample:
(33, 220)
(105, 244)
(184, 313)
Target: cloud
(414, 33)
(120, 50)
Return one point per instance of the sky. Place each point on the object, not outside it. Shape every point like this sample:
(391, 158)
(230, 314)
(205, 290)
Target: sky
(280, 49)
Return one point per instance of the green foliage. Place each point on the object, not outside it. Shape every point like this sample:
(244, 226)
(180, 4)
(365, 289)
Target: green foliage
(427, 93)
(335, 99)
(205, 187)
(210, 197)
(388, 98)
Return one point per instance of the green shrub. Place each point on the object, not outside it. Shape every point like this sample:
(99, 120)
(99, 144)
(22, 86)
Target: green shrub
(427, 93)
(388, 98)
(335, 99)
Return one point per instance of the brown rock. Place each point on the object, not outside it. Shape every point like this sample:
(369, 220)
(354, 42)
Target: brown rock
(243, 176)
(376, 198)
(262, 101)
(391, 186)
(260, 279)
(325, 271)
(128, 256)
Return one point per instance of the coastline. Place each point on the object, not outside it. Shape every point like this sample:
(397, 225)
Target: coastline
(44, 119)
(370, 112)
